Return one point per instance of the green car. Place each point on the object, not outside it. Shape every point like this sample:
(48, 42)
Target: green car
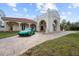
(26, 32)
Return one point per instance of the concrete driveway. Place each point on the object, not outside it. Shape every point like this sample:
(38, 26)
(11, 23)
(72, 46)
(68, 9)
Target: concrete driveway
(17, 45)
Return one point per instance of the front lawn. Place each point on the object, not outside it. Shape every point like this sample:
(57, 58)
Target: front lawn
(7, 34)
(64, 46)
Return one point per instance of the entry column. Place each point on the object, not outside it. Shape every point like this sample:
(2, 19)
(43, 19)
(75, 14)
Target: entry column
(19, 26)
(29, 25)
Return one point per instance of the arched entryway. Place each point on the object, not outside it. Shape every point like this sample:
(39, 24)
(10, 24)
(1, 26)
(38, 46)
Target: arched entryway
(42, 26)
(55, 25)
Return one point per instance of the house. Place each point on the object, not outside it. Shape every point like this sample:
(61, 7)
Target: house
(47, 22)
(15, 24)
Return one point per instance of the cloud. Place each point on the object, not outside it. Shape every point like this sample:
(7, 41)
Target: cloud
(66, 13)
(69, 13)
(25, 9)
(63, 16)
(30, 16)
(75, 5)
(43, 7)
(31, 4)
(27, 15)
(69, 6)
(63, 13)
(14, 9)
(39, 5)
(13, 6)
(21, 15)
(50, 6)
(42, 11)
(33, 16)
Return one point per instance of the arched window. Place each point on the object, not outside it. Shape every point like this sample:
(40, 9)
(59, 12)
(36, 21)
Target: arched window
(55, 22)
(55, 25)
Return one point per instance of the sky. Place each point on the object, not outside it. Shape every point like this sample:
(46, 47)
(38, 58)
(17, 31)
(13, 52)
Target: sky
(68, 11)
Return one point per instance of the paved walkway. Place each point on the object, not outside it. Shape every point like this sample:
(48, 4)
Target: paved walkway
(16, 45)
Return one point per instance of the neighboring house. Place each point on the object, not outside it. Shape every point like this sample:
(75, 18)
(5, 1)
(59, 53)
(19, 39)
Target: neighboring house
(47, 22)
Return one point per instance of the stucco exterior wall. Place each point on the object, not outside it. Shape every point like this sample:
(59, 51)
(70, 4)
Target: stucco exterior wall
(49, 18)
(16, 27)
(40, 19)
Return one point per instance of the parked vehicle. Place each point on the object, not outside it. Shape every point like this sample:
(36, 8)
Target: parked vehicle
(27, 32)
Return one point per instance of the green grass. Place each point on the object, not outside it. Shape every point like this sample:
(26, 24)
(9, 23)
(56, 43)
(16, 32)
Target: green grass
(64, 46)
(7, 34)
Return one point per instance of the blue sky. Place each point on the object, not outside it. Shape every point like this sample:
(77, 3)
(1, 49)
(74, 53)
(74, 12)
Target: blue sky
(68, 11)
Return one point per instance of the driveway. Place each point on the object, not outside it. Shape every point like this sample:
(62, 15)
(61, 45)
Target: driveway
(17, 45)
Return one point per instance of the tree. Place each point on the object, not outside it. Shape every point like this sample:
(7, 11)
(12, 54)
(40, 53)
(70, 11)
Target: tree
(74, 26)
(63, 24)
(68, 25)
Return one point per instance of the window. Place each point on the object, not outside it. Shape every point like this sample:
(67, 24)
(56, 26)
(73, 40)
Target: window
(1, 26)
(0, 23)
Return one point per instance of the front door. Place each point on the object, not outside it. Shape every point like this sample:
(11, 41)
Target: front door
(23, 26)
(42, 26)
(11, 28)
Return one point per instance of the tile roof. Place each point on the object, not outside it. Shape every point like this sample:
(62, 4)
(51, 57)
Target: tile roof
(18, 19)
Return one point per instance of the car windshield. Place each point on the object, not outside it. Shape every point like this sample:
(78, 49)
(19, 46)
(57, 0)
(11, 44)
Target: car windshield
(28, 29)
